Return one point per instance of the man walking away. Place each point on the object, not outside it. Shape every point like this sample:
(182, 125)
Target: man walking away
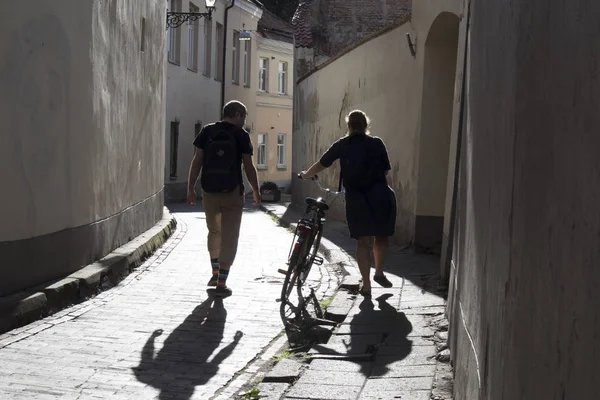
(220, 150)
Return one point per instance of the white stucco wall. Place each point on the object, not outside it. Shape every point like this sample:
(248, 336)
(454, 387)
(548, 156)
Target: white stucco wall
(193, 96)
(82, 145)
(80, 105)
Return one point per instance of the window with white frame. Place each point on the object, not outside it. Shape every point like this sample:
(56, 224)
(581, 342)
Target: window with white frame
(247, 58)
(282, 82)
(174, 34)
(261, 153)
(281, 150)
(235, 68)
(263, 74)
(207, 45)
(192, 61)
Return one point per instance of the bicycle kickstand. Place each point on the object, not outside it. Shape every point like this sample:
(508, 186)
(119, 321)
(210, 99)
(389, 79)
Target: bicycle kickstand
(319, 320)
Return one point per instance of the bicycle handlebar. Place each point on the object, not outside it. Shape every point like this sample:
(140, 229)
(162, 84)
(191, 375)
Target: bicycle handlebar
(315, 179)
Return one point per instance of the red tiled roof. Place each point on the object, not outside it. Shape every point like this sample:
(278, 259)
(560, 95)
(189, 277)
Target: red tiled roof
(301, 24)
(340, 23)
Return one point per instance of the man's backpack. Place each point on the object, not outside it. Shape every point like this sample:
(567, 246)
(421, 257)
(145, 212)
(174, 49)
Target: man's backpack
(221, 170)
(358, 166)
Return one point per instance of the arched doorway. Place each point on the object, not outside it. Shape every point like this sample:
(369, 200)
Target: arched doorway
(437, 108)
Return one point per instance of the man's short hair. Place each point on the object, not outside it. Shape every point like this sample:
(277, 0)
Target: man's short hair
(232, 108)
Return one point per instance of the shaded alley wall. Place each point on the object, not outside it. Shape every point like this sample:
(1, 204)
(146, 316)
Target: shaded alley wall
(82, 148)
(524, 321)
(381, 77)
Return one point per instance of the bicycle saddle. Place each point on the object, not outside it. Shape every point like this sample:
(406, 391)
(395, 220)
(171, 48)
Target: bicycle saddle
(319, 203)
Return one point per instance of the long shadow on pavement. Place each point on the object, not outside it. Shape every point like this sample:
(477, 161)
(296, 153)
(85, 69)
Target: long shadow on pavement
(370, 332)
(183, 361)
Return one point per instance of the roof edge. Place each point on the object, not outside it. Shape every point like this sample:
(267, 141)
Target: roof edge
(401, 21)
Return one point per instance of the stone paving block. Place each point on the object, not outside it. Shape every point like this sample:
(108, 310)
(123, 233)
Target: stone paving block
(396, 395)
(415, 355)
(338, 378)
(350, 328)
(272, 391)
(17, 310)
(62, 293)
(90, 279)
(337, 314)
(348, 344)
(376, 386)
(350, 283)
(311, 391)
(340, 365)
(286, 370)
(398, 370)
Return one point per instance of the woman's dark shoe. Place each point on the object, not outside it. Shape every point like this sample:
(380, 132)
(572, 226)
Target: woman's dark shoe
(364, 292)
(383, 281)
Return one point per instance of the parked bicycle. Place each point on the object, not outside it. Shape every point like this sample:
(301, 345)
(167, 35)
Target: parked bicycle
(303, 254)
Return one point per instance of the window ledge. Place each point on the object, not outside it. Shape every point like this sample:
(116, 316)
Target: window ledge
(174, 63)
(262, 167)
(282, 168)
(193, 69)
(173, 178)
(206, 74)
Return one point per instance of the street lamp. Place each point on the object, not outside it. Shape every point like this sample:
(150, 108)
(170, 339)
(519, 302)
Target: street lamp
(245, 35)
(176, 19)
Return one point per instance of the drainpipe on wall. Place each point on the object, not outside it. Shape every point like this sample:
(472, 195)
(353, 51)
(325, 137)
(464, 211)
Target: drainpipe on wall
(450, 248)
(223, 69)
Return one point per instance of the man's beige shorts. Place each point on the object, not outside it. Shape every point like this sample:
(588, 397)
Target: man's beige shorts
(223, 219)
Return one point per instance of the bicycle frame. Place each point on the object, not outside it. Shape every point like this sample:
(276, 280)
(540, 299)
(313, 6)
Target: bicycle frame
(303, 254)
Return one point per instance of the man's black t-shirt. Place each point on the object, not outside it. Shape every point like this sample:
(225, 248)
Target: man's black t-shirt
(242, 138)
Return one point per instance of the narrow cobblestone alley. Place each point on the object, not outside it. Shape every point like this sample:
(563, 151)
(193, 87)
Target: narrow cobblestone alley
(157, 335)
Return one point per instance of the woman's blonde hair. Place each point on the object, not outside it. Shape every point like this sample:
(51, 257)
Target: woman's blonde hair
(358, 123)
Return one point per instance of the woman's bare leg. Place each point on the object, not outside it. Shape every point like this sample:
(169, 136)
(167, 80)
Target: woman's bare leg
(363, 257)
(380, 252)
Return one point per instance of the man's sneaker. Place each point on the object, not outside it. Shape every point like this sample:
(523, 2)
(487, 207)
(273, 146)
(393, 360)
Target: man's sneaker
(222, 292)
(213, 281)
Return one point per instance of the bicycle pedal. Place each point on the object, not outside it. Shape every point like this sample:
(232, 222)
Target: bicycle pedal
(282, 271)
(318, 260)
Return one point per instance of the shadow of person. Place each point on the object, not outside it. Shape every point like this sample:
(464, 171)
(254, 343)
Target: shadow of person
(378, 333)
(184, 361)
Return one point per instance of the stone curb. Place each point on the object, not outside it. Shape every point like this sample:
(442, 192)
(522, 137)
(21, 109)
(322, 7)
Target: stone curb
(41, 301)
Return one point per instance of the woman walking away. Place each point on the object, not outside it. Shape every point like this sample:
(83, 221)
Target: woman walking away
(370, 202)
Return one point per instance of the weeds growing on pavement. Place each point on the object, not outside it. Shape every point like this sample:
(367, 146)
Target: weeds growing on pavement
(325, 303)
(253, 394)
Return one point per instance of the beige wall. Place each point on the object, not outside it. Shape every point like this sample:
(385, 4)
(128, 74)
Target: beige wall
(525, 321)
(244, 15)
(383, 79)
(192, 96)
(275, 110)
(82, 141)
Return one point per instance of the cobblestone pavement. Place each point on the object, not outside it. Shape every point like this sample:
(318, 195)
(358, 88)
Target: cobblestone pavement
(389, 346)
(157, 334)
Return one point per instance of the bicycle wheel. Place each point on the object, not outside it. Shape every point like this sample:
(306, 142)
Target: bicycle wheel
(290, 308)
(310, 259)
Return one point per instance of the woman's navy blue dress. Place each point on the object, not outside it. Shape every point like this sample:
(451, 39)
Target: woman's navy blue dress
(370, 212)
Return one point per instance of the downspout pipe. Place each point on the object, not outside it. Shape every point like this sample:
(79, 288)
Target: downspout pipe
(457, 161)
(223, 67)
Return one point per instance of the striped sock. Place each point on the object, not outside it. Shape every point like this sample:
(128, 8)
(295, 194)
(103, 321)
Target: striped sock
(223, 273)
(215, 266)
